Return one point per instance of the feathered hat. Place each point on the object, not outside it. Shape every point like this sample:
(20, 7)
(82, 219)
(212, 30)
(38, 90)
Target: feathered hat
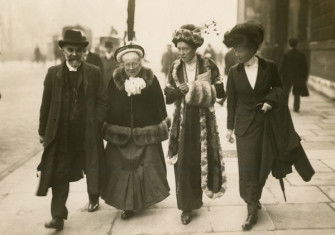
(189, 34)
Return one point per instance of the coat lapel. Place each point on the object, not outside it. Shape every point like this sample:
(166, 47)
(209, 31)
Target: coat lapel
(260, 73)
(244, 78)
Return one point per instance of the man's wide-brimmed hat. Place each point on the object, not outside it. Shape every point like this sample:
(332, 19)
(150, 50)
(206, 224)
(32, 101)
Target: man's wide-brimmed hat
(73, 37)
(130, 47)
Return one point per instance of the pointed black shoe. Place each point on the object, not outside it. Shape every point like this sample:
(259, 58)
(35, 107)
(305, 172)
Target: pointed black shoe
(56, 223)
(252, 217)
(186, 217)
(126, 214)
(93, 204)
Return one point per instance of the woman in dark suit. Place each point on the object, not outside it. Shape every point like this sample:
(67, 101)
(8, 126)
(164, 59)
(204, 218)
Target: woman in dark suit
(250, 94)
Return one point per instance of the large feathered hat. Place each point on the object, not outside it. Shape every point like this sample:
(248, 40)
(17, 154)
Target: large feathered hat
(189, 34)
(250, 34)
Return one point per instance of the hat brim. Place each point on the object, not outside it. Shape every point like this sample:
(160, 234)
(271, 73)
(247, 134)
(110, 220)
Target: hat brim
(62, 43)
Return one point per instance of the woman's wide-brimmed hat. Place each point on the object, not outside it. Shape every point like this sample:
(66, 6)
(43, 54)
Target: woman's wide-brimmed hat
(189, 34)
(73, 37)
(249, 33)
(130, 47)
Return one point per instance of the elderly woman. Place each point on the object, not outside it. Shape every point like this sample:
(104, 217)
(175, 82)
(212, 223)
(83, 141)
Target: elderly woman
(194, 147)
(251, 92)
(136, 126)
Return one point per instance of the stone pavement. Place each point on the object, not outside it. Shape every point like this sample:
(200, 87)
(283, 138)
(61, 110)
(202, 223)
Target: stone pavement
(310, 207)
(21, 88)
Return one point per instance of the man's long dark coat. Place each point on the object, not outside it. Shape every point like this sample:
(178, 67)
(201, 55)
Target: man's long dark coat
(95, 110)
(294, 72)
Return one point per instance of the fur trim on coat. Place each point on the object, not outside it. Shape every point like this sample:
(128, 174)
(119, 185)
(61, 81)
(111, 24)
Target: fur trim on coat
(154, 134)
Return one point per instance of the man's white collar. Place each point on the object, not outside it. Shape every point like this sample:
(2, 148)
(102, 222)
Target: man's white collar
(71, 68)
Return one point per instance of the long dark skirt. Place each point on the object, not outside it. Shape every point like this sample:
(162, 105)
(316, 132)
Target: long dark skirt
(187, 168)
(135, 176)
(249, 147)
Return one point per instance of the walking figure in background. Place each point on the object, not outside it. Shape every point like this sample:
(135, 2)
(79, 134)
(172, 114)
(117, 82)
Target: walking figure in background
(265, 137)
(37, 55)
(294, 72)
(109, 62)
(168, 57)
(194, 147)
(71, 116)
(92, 57)
(136, 124)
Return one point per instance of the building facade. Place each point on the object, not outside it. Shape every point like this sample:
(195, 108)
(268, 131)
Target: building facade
(311, 21)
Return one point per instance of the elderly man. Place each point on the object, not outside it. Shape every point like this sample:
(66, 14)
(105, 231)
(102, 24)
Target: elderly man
(136, 125)
(71, 115)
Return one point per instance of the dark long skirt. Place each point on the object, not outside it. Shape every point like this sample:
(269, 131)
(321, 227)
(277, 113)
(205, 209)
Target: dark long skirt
(135, 176)
(187, 168)
(249, 147)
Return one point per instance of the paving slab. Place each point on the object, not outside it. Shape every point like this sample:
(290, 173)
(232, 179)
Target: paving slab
(324, 132)
(319, 166)
(231, 197)
(333, 206)
(306, 232)
(330, 163)
(299, 126)
(304, 194)
(318, 138)
(162, 221)
(257, 232)
(318, 145)
(230, 218)
(329, 191)
(302, 216)
(320, 154)
(319, 179)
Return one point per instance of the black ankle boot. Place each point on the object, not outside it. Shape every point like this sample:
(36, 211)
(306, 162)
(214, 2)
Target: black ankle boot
(126, 214)
(186, 217)
(56, 223)
(252, 217)
(93, 204)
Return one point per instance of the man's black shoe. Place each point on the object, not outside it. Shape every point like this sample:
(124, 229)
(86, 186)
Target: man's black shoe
(56, 223)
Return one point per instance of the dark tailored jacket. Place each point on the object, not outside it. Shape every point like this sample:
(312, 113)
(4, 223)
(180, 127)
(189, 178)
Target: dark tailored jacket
(95, 108)
(242, 99)
(93, 58)
(281, 144)
(294, 71)
(141, 117)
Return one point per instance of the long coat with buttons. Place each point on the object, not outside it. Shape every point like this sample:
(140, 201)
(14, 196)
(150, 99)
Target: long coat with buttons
(95, 109)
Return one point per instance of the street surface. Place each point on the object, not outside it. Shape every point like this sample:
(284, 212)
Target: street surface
(309, 210)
